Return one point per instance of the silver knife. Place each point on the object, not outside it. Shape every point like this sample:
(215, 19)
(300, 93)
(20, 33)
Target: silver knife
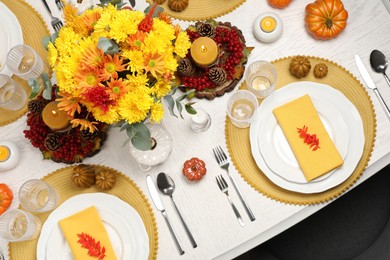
(160, 207)
(370, 83)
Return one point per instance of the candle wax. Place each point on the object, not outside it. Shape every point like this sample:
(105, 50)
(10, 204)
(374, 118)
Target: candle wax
(268, 24)
(4, 153)
(54, 118)
(204, 51)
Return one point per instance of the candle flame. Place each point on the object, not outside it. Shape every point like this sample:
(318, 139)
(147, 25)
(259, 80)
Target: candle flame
(55, 113)
(203, 48)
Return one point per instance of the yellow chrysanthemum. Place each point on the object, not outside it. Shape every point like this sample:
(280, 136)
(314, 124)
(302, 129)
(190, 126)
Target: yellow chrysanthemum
(134, 106)
(182, 44)
(136, 58)
(110, 117)
(161, 88)
(156, 112)
(67, 40)
(52, 54)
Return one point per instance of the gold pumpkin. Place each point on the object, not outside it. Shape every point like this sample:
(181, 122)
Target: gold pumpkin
(300, 66)
(83, 176)
(177, 5)
(105, 180)
(320, 70)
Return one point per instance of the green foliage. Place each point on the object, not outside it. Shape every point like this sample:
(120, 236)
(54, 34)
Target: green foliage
(36, 87)
(108, 46)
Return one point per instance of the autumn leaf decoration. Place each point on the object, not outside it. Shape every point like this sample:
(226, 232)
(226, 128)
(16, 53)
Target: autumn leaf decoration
(309, 139)
(94, 248)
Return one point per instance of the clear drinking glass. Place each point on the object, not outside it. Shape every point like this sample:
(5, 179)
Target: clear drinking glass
(18, 225)
(37, 196)
(12, 95)
(241, 108)
(260, 77)
(24, 62)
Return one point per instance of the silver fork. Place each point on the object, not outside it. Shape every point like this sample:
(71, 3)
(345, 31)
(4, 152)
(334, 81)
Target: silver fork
(56, 23)
(223, 186)
(222, 161)
(59, 4)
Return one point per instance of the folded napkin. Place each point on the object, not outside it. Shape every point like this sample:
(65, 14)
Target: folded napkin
(85, 226)
(310, 142)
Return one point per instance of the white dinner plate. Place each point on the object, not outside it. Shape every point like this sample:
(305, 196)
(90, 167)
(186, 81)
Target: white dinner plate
(277, 152)
(337, 101)
(123, 224)
(11, 35)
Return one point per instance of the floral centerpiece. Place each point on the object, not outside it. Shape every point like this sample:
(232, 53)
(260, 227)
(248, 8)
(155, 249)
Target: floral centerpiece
(119, 64)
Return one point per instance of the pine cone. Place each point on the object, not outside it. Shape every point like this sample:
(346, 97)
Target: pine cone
(217, 75)
(205, 30)
(186, 67)
(87, 135)
(36, 105)
(52, 142)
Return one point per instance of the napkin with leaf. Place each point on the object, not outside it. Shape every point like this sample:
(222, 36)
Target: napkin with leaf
(310, 142)
(87, 236)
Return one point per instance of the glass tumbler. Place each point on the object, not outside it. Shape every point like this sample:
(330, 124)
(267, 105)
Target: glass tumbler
(17, 225)
(241, 108)
(260, 77)
(37, 196)
(12, 95)
(24, 62)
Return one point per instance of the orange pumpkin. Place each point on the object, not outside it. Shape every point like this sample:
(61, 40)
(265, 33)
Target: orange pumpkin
(6, 197)
(194, 169)
(279, 3)
(325, 19)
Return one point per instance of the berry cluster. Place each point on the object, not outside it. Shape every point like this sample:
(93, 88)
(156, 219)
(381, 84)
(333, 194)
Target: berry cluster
(231, 46)
(73, 146)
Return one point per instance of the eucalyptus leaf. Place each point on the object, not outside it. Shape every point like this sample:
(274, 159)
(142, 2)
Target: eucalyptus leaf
(47, 86)
(158, 10)
(190, 109)
(108, 46)
(140, 136)
(179, 108)
(45, 41)
(171, 104)
(35, 87)
(180, 98)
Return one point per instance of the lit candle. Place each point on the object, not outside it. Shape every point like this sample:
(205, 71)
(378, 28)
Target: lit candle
(268, 27)
(204, 51)
(54, 118)
(9, 155)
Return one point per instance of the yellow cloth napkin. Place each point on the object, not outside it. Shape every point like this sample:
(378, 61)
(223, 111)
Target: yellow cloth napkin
(88, 222)
(297, 114)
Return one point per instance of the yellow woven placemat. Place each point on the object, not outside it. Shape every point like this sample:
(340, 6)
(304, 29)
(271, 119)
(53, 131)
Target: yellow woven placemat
(198, 10)
(238, 142)
(34, 29)
(125, 189)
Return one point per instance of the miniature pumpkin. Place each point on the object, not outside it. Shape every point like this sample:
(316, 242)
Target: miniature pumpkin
(194, 169)
(6, 197)
(159, 2)
(279, 3)
(83, 176)
(325, 19)
(105, 180)
(300, 66)
(177, 5)
(320, 70)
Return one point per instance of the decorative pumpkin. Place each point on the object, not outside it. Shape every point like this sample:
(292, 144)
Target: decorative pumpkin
(300, 66)
(177, 5)
(320, 70)
(325, 19)
(159, 2)
(105, 180)
(194, 169)
(6, 197)
(83, 176)
(279, 3)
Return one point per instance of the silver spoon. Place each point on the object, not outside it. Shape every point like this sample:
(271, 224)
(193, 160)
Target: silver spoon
(379, 63)
(167, 186)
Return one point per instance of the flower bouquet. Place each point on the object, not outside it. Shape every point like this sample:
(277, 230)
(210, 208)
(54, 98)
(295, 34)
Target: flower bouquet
(119, 65)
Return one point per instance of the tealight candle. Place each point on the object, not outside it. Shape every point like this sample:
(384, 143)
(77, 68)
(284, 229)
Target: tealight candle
(9, 155)
(201, 121)
(268, 27)
(54, 118)
(204, 51)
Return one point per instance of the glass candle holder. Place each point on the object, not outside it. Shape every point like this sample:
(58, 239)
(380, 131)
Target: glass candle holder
(24, 62)
(37, 196)
(17, 225)
(261, 77)
(241, 108)
(201, 121)
(12, 95)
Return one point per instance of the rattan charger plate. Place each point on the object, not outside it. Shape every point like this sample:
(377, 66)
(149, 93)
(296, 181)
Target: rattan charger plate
(199, 10)
(238, 142)
(34, 29)
(125, 189)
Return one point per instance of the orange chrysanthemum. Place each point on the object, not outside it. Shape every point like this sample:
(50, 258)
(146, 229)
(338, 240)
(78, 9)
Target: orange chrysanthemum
(68, 103)
(165, 17)
(112, 65)
(92, 57)
(73, 19)
(154, 63)
(135, 40)
(90, 19)
(116, 88)
(84, 124)
(87, 78)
